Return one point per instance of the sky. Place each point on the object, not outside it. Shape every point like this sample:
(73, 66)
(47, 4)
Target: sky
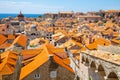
(44, 6)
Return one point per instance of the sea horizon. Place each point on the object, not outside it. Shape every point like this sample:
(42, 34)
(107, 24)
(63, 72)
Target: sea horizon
(13, 15)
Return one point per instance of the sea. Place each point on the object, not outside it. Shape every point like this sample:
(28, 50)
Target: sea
(14, 15)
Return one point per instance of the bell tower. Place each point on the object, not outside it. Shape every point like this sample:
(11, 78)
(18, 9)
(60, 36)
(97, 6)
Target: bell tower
(20, 16)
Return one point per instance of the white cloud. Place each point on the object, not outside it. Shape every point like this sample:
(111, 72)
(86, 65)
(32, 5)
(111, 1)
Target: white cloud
(26, 7)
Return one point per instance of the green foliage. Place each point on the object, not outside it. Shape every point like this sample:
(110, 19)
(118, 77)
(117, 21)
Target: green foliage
(32, 45)
(90, 78)
(96, 21)
(39, 16)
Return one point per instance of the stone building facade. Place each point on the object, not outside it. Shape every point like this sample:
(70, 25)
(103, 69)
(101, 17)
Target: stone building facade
(50, 71)
(51, 15)
(33, 32)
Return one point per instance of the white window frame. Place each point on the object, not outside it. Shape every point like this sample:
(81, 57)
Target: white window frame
(53, 74)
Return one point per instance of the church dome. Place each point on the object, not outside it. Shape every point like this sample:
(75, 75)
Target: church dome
(33, 26)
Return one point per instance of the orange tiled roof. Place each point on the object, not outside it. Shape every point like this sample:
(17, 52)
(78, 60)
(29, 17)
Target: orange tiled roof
(61, 63)
(2, 27)
(66, 61)
(111, 11)
(11, 36)
(40, 59)
(21, 40)
(116, 40)
(83, 49)
(59, 52)
(103, 42)
(25, 62)
(58, 36)
(70, 43)
(62, 31)
(89, 16)
(35, 41)
(2, 39)
(30, 53)
(9, 59)
(5, 45)
(92, 46)
(108, 31)
(98, 41)
(50, 29)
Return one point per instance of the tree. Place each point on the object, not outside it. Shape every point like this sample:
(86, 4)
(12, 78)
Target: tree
(95, 20)
(39, 16)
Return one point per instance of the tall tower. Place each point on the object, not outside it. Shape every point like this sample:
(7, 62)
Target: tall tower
(20, 16)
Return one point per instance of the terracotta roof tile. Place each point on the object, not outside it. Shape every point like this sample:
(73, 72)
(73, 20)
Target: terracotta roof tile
(11, 36)
(5, 45)
(21, 40)
(116, 40)
(98, 41)
(30, 53)
(2, 39)
(70, 43)
(9, 59)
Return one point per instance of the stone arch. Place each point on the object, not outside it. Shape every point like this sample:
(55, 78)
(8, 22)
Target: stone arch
(101, 72)
(83, 59)
(113, 76)
(93, 66)
(87, 62)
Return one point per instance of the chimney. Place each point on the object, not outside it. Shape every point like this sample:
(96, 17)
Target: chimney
(66, 51)
(111, 35)
(90, 39)
(51, 57)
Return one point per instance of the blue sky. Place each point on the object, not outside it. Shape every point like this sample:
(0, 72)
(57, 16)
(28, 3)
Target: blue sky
(43, 6)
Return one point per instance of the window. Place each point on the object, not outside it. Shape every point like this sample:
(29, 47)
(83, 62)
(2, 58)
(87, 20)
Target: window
(53, 74)
(50, 34)
(50, 37)
(10, 41)
(3, 30)
(1, 50)
(33, 34)
(17, 45)
(37, 76)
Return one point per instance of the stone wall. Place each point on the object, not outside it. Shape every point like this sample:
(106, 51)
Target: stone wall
(7, 77)
(101, 68)
(112, 49)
